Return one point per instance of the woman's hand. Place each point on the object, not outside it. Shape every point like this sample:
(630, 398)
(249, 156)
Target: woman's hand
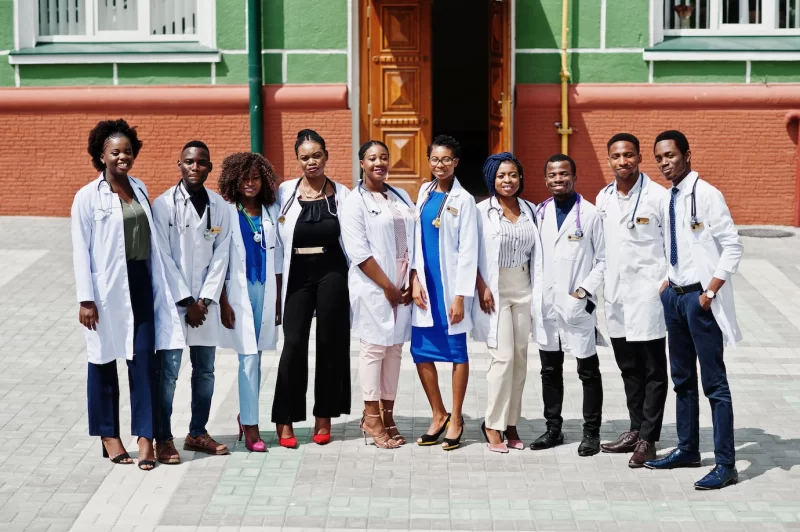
(485, 297)
(418, 294)
(393, 295)
(88, 316)
(406, 296)
(226, 314)
(456, 313)
(278, 317)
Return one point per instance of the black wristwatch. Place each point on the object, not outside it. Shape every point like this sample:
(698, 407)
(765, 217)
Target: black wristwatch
(581, 293)
(207, 301)
(185, 302)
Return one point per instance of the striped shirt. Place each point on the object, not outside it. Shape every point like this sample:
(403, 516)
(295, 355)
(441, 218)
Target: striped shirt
(516, 240)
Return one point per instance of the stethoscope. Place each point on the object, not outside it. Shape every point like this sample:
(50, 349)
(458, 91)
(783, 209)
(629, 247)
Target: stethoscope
(101, 213)
(208, 235)
(609, 191)
(694, 221)
(437, 222)
(578, 231)
(258, 233)
(376, 210)
(285, 209)
(499, 209)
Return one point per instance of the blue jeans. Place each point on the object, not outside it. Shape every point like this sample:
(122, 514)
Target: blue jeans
(694, 335)
(202, 358)
(250, 365)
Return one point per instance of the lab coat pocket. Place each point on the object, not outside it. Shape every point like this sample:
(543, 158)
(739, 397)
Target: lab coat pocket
(573, 309)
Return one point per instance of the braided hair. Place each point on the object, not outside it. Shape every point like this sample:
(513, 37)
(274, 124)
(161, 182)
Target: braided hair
(309, 135)
(241, 165)
(493, 163)
(108, 129)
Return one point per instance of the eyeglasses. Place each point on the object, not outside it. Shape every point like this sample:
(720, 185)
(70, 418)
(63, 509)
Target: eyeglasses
(446, 161)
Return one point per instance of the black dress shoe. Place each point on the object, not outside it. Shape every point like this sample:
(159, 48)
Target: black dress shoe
(549, 439)
(590, 446)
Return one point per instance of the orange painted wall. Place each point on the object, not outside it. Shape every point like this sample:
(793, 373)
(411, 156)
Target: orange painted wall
(749, 154)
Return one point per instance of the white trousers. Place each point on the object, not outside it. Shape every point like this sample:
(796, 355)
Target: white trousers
(509, 360)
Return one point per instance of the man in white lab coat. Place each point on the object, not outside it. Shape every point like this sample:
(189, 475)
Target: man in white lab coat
(573, 260)
(194, 232)
(704, 251)
(631, 210)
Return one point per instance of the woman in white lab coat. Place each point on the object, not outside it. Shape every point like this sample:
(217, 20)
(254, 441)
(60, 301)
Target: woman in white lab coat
(509, 294)
(125, 302)
(378, 231)
(443, 282)
(250, 303)
(315, 280)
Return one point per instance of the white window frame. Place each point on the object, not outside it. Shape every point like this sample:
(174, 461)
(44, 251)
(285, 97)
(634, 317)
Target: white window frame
(26, 26)
(768, 25)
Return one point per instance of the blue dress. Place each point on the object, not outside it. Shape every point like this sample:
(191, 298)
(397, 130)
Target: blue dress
(433, 344)
(256, 268)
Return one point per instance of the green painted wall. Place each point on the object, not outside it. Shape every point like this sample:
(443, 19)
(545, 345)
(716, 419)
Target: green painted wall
(538, 23)
(6, 25)
(6, 73)
(316, 68)
(584, 68)
(232, 70)
(231, 25)
(627, 24)
(166, 73)
(699, 72)
(65, 75)
(775, 72)
(272, 68)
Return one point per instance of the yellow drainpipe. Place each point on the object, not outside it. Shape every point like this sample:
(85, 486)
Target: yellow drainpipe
(564, 130)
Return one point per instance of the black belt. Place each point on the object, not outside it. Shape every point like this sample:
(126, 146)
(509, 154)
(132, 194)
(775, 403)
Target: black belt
(696, 287)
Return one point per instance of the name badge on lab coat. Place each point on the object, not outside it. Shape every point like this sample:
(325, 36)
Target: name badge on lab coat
(643, 221)
(216, 230)
(698, 226)
(573, 238)
(452, 210)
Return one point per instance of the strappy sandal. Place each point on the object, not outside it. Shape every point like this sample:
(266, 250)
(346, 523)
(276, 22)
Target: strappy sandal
(117, 459)
(453, 443)
(144, 463)
(397, 437)
(382, 440)
(431, 439)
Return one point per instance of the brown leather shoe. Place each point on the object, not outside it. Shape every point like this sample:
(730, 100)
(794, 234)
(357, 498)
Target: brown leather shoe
(644, 452)
(626, 443)
(204, 444)
(166, 453)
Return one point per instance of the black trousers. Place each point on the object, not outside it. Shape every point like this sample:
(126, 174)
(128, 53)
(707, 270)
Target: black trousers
(553, 390)
(644, 375)
(316, 283)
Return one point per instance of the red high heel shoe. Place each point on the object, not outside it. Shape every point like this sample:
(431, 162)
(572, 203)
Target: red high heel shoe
(289, 443)
(322, 439)
(252, 446)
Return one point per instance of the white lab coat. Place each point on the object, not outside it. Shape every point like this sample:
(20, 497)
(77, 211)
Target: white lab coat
(101, 273)
(489, 219)
(290, 215)
(635, 261)
(242, 338)
(458, 256)
(372, 235)
(195, 266)
(568, 264)
(715, 247)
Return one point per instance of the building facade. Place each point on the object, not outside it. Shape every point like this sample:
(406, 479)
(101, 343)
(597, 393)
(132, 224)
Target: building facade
(726, 72)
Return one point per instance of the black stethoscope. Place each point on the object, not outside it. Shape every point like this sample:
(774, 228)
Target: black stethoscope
(609, 191)
(499, 209)
(101, 213)
(377, 208)
(578, 231)
(694, 221)
(208, 235)
(437, 222)
(285, 209)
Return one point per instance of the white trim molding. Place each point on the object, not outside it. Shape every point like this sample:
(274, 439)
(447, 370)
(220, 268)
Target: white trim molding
(721, 56)
(580, 50)
(76, 59)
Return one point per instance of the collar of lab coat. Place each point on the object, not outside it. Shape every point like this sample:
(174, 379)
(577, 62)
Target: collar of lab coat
(495, 211)
(571, 219)
(686, 185)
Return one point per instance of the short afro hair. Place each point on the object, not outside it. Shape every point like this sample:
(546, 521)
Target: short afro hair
(623, 137)
(197, 144)
(106, 129)
(560, 157)
(446, 141)
(673, 134)
(237, 166)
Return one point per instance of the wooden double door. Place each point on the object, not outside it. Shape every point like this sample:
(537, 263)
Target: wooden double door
(396, 74)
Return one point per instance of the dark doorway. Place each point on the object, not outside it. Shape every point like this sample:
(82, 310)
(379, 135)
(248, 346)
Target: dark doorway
(460, 62)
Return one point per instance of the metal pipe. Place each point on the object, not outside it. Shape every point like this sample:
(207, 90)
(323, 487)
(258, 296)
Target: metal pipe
(563, 129)
(255, 76)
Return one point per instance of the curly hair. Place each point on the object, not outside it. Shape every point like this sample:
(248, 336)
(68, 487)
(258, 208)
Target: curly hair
(244, 164)
(106, 129)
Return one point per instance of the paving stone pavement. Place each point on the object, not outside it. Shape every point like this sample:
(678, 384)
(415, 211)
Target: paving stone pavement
(52, 475)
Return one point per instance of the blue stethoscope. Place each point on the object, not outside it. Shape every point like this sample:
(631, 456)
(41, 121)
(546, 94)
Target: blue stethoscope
(208, 235)
(609, 190)
(578, 231)
(376, 210)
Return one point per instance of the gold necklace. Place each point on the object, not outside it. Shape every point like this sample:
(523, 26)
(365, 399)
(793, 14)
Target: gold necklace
(309, 196)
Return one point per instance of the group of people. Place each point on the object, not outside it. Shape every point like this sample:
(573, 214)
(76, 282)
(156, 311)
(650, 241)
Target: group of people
(152, 281)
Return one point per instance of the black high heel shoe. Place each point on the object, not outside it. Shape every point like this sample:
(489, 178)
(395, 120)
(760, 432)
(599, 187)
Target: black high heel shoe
(431, 439)
(151, 463)
(117, 459)
(453, 443)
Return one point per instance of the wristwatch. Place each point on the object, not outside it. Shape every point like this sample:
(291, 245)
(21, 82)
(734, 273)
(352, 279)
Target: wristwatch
(710, 294)
(207, 301)
(581, 293)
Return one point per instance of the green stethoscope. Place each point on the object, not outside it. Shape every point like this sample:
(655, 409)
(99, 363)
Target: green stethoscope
(258, 230)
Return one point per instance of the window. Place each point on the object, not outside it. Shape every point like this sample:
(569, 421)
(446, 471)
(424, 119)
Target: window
(117, 20)
(731, 17)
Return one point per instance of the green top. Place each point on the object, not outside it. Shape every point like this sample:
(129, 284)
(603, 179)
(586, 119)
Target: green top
(137, 231)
